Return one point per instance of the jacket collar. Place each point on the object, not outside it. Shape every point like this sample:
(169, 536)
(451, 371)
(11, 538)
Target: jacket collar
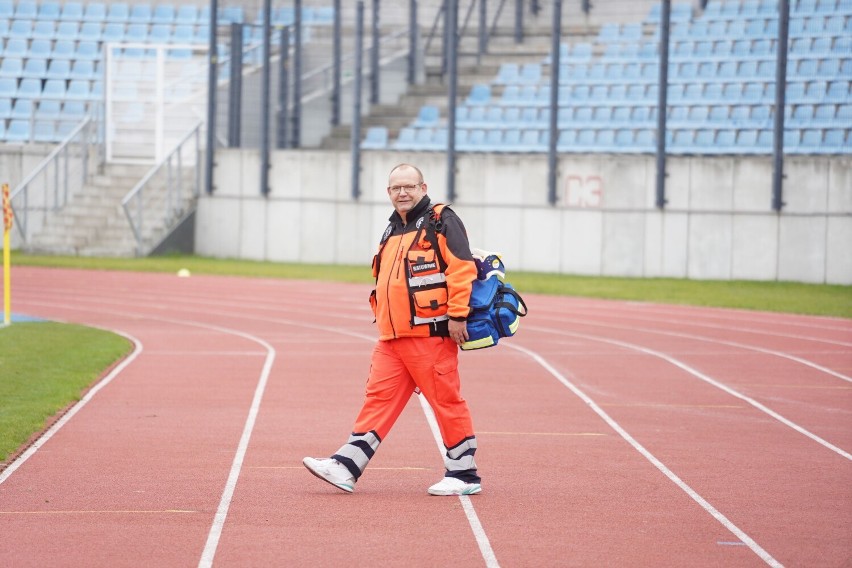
(414, 214)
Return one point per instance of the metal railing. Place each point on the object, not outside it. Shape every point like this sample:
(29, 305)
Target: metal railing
(164, 196)
(48, 188)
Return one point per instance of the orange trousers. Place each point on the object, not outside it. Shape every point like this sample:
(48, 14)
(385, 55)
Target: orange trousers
(399, 366)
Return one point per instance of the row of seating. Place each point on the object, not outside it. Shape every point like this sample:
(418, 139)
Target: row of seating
(734, 9)
(749, 8)
(77, 89)
(100, 32)
(614, 140)
(800, 115)
(116, 12)
(44, 131)
(722, 50)
(688, 70)
(759, 28)
(752, 28)
(603, 94)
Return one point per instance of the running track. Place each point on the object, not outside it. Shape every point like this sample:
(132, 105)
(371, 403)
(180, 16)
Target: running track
(610, 434)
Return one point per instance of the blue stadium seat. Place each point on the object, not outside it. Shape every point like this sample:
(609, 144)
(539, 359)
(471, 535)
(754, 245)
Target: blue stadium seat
(136, 32)
(18, 131)
(7, 9)
(90, 31)
(480, 94)
(645, 139)
(811, 141)
(141, 13)
(35, 68)
(88, 50)
(48, 10)
(405, 139)
(802, 115)
(12, 67)
(8, 88)
(719, 113)
(428, 116)
(183, 33)
(72, 11)
(376, 138)
(833, 142)
(58, 69)
(26, 10)
(44, 131)
(118, 12)
(29, 89)
(164, 14)
(844, 114)
(49, 110)
(62, 49)
(824, 114)
(95, 12)
(74, 109)
(22, 109)
(82, 69)
(79, 89)
(160, 33)
(21, 29)
(44, 29)
(5, 110)
(114, 32)
(187, 14)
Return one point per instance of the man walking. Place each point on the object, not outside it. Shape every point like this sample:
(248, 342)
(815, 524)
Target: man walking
(424, 272)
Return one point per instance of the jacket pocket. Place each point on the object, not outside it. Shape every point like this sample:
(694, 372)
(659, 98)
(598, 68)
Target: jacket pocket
(430, 303)
(422, 263)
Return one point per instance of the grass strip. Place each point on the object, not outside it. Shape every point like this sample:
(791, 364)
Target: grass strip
(46, 366)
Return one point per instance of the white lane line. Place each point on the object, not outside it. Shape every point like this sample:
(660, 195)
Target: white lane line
(236, 466)
(710, 381)
(228, 493)
(472, 519)
(727, 523)
(42, 440)
(781, 354)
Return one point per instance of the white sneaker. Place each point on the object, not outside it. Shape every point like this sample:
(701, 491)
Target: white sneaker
(454, 486)
(332, 471)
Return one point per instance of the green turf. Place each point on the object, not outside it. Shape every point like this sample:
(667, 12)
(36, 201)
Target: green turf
(43, 368)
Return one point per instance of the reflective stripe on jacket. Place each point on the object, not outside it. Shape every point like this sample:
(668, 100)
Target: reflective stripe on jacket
(413, 296)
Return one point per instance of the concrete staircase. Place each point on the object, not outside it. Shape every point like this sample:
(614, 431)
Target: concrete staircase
(94, 223)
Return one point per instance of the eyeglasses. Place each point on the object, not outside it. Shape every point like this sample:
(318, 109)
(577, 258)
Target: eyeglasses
(396, 189)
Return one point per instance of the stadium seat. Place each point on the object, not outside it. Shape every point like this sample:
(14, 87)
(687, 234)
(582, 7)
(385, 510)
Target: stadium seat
(23, 109)
(118, 12)
(58, 69)
(44, 131)
(18, 131)
(12, 67)
(72, 11)
(95, 12)
(26, 10)
(49, 110)
(376, 138)
(164, 14)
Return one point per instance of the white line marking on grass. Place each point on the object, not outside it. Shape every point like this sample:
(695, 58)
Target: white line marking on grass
(478, 532)
(713, 382)
(756, 548)
(42, 440)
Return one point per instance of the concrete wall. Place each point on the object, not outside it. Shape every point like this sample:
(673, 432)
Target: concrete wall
(718, 223)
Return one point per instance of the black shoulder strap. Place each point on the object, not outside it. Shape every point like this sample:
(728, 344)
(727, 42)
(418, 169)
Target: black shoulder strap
(435, 226)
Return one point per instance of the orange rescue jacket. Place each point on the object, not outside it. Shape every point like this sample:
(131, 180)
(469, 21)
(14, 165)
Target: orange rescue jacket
(418, 288)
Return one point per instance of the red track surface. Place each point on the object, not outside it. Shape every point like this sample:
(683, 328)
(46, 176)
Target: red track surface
(610, 434)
